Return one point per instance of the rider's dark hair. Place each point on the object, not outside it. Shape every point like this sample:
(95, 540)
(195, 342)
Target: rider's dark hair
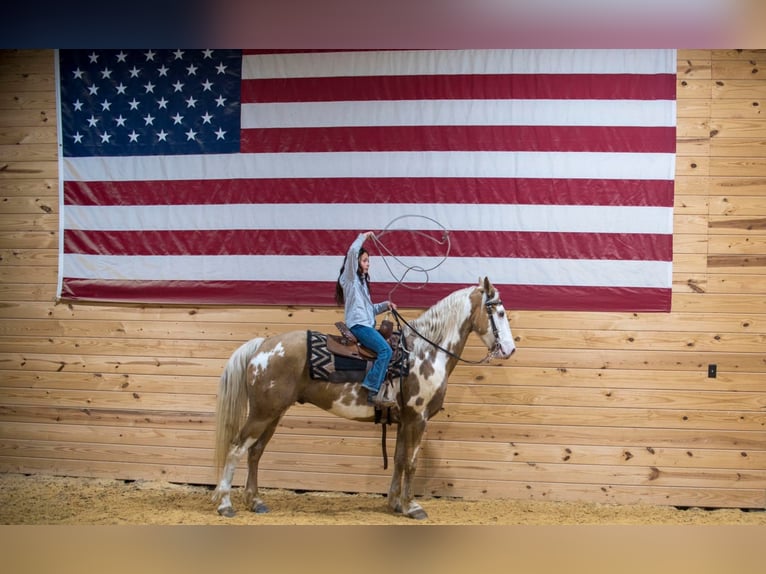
(340, 298)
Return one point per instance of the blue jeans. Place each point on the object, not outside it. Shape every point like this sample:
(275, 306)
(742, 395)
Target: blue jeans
(374, 341)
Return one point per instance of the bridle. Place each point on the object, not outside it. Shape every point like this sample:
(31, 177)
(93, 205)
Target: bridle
(494, 352)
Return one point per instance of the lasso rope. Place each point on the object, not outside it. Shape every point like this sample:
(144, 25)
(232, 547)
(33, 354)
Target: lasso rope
(445, 240)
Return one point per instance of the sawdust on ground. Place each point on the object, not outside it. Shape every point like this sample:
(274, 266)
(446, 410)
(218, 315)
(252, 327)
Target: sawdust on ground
(48, 500)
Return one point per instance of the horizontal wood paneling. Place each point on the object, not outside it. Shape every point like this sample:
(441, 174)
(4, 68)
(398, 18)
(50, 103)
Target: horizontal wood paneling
(606, 407)
(438, 450)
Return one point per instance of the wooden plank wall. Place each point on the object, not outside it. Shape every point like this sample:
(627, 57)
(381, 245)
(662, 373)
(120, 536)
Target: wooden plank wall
(610, 407)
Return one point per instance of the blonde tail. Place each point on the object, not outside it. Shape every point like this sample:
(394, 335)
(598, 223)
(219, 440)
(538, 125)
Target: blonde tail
(231, 405)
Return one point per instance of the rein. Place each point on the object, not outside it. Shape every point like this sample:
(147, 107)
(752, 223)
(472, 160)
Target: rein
(490, 354)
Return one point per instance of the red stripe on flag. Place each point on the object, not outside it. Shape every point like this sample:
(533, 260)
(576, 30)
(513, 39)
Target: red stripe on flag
(461, 138)
(462, 86)
(544, 191)
(521, 297)
(510, 244)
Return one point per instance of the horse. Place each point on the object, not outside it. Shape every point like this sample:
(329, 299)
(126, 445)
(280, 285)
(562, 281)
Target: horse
(271, 374)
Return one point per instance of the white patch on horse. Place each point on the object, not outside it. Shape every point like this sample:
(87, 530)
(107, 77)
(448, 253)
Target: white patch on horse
(357, 409)
(260, 362)
(505, 336)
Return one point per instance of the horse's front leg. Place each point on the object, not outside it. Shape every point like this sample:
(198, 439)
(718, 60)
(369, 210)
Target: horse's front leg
(395, 490)
(252, 499)
(407, 448)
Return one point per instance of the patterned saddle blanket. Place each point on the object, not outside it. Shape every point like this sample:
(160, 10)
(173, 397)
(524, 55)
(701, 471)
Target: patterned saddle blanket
(341, 367)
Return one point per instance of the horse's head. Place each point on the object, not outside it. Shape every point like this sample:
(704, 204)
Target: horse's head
(491, 324)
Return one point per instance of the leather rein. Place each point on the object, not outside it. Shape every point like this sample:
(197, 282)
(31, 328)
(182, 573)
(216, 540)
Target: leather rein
(493, 352)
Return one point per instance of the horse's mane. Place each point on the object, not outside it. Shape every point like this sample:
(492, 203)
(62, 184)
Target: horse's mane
(444, 316)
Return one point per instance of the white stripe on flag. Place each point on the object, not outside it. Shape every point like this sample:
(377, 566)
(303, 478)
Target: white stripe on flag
(457, 270)
(406, 63)
(564, 165)
(461, 112)
(454, 217)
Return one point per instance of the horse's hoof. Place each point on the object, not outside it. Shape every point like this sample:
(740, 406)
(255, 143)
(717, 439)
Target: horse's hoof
(418, 514)
(227, 511)
(260, 508)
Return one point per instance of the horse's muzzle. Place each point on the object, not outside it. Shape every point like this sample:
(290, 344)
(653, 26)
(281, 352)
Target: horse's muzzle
(504, 352)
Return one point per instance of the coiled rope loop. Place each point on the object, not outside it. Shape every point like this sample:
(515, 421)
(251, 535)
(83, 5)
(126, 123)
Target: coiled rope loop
(387, 253)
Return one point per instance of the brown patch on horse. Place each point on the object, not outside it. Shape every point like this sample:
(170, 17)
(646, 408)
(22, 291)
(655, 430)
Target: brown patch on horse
(426, 357)
(411, 388)
(479, 316)
(436, 402)
(325, 394)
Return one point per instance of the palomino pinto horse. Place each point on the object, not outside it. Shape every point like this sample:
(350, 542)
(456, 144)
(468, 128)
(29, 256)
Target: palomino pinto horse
(272, 374)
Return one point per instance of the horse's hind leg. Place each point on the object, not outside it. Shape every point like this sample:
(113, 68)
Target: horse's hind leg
(253, 433)
(252, 499)
(223, 491)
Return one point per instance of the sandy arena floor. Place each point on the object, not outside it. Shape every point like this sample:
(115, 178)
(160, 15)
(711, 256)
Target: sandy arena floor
(48, 500)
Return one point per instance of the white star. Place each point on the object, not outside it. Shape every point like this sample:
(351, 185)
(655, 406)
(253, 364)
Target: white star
(191, 70)
(133, 136)
(207, 54)
(105, 138)
(106, 73)
(163, 70)
(150, 55)
(78, 73)
(190, 135)
(93, 57)
(77, 137)
(221, 68)
(122, 56)
(134, 72)
(207, 86)
(191, 102)
(93, 90)
(178, 86)
(121, 88)
(149, 87)
(77, 105)
(219, 134)
(149, 119)
(177, 119)
(162, 136)
(120, 120)
(206, 118)
(134, 104)
(92, 121)
(178, 54)
(162, 103)
(106, 105)
(220, 101)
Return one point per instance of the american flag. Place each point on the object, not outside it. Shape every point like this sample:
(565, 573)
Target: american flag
(241, 177)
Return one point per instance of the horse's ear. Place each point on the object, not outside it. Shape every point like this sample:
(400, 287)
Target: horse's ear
(488, 288)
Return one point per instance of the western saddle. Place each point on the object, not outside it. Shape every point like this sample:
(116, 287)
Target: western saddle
(347, 345)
